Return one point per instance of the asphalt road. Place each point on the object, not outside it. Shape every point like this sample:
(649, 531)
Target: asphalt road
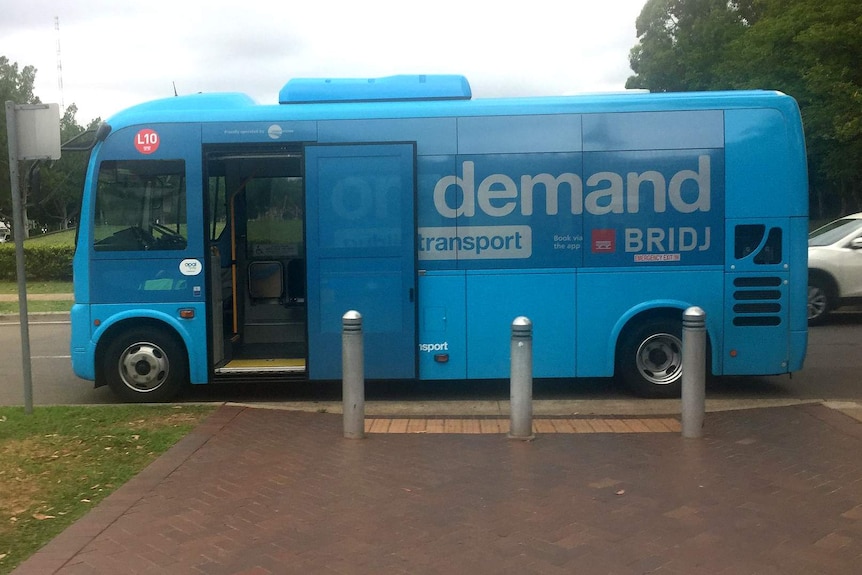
(832, 372)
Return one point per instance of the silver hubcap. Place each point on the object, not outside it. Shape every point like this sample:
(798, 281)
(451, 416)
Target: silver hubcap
(144, 367)
(816, 302)
(659, 358)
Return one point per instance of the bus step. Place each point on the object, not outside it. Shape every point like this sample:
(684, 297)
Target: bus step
(273, 366)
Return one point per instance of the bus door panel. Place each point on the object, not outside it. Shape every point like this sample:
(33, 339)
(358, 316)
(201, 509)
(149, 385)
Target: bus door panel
(360, 248)
(758, 306)
(442, 325)
(756, 312)
(495, 299)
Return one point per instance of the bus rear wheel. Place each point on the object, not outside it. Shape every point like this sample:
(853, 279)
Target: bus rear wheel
(145, 365)
(649, 358)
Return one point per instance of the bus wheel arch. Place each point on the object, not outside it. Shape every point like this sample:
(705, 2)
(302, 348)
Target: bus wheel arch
(142, 361)
(648, 356)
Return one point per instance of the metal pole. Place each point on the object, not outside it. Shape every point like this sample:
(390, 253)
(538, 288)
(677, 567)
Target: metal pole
(353, 375)
(693, 371)
(521, 385)
(18, 231)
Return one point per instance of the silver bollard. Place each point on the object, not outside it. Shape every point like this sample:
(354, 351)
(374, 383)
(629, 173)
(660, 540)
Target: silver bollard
(521, 384)
(693, 371)
(353, 375)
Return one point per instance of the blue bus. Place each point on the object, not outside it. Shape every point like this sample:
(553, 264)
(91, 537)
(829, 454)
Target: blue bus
(221, 239)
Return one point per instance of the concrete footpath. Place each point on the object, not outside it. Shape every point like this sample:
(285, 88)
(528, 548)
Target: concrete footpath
(271, 491)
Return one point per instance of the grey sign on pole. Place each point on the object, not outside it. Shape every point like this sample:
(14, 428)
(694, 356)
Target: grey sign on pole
(38, 131)
(33, 132)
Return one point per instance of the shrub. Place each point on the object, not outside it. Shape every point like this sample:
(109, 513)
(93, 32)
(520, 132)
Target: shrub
(41, 262)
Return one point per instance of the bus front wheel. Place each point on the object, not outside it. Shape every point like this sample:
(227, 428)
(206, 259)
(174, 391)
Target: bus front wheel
(649, 358)
(145, 365)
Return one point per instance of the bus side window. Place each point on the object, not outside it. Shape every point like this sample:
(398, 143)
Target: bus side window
(748, 237)
(771, 252)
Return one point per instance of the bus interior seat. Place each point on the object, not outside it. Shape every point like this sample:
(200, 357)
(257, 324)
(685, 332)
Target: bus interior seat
(265, 281)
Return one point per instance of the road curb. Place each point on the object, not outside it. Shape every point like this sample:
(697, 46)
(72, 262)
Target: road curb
(849, 408)
(541, 407)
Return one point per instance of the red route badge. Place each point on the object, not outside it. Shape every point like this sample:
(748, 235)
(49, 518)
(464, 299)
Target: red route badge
(147, 141)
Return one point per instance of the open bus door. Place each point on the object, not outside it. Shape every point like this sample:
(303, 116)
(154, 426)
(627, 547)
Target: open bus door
(361, 254)
(258, 298)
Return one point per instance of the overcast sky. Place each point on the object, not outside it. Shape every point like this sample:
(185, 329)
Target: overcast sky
(116, 53)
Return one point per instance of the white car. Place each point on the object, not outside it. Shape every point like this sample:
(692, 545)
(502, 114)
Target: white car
(834, 266)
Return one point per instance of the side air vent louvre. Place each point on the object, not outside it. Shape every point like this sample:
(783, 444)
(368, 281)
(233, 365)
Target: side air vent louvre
(758, 306)
(743, 321)
(757, 282)
(757, 294)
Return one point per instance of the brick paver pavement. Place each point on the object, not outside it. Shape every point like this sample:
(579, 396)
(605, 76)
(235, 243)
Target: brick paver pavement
(255, 491)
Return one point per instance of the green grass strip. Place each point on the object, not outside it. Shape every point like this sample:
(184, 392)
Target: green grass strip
(11, 307)
(59, 462)
(7, 287)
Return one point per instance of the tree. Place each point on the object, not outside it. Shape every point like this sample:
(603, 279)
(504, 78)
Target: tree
(56, 200)
(810, 49)
(15, 86)
(806, 48)
(683, 42)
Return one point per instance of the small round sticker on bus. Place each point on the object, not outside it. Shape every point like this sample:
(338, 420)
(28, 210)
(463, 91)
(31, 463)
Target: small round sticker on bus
(147, 141)
(275, 131)
(190, 267)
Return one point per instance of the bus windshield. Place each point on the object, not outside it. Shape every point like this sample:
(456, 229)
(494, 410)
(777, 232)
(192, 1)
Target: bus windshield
(140, 205)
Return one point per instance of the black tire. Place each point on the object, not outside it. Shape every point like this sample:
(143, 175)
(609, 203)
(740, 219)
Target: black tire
(145, 365)
(820, 301)
(649, 358)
